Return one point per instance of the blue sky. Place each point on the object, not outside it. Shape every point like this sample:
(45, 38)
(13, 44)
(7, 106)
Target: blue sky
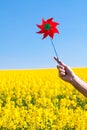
(22, 48)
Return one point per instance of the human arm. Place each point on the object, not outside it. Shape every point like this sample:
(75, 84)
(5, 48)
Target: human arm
(66, 73)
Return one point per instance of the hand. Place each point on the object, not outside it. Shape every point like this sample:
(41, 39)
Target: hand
(65, 71)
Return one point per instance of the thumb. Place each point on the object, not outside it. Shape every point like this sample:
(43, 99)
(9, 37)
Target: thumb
(59, 62)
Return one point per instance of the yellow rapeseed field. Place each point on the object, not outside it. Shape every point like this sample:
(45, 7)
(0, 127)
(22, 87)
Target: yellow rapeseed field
(40, 100)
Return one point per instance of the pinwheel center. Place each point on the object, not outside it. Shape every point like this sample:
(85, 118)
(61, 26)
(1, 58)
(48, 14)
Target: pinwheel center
(47, 26)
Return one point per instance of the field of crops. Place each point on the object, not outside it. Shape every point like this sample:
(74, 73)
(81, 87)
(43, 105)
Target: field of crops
(40, 100)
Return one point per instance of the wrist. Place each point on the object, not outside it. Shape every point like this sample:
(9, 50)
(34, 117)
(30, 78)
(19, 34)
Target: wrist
(73, 79)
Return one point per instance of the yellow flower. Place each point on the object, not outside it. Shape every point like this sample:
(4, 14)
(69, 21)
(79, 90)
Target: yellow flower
(39, 99)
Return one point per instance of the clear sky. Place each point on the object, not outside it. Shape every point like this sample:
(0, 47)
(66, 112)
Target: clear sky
(22, 48)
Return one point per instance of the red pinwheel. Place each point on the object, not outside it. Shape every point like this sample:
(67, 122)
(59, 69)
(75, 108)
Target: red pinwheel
(48, 28)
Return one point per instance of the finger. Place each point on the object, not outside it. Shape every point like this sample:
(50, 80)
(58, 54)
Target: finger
(61, 74)
(61, 70)
(60, 66)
